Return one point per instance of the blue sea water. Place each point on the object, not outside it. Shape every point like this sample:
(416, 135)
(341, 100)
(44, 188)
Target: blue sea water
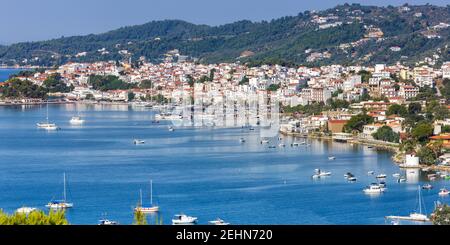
(201, 172)
(5, 73)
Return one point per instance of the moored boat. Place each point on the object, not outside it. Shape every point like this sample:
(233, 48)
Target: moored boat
(182, 219)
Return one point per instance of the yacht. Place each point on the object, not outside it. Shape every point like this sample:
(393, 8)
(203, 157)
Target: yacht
(47, 125)
(218, 221)
(107, 222)
(60, 204)
(373, 189)
(25, 210)
(416, 215)
(138, 142)
(182, 219)
(76, 120)
(427, 187)
(152, 208)
(444, 192)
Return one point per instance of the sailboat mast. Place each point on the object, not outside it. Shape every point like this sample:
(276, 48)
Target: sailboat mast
(151, 192)
(140, 197)
(64, 186)
(47, 112)
(420, 201)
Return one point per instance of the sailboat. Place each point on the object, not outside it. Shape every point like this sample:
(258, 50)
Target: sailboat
(416, 215)
(152, 208)
(60, 204)
(47, 125)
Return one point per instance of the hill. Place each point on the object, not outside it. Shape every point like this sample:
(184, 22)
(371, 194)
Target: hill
(346, 34)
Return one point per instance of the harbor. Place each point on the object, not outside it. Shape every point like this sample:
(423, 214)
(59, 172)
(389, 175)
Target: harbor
(217, 172)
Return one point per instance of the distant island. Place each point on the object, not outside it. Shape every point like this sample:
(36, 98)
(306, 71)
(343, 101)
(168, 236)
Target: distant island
(347, 34)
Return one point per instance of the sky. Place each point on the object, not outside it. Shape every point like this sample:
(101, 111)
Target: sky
(31, 20)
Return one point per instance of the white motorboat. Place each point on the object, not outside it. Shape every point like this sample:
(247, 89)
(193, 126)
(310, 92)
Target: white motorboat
(60, 204)
(319, 173)
(331, 158)
(76, 121)
(444, 192)
(218, 221)
(138, 142)
(264, 141)
(152, 208)
(182, 219)
(171, 129)
(381, 176)
(295, 144)
(371, 172)
(242, 140)
(396, 175)
(282, 145)
(107, 222)
(26, 210)
(427, 187)
(373, 189)
(352, 179)
(382, 184)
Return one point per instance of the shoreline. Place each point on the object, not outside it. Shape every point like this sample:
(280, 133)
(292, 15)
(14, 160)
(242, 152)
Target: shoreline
(398, 157)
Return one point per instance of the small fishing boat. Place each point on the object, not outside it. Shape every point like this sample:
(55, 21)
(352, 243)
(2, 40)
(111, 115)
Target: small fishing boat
(264, 141)
(251, 129)
(381, 176)
(282, 145)
(107, 222)
(138, 142)
(272, 147)
(171, 129)
(373, 189)
(295, 144)
(371, 172)
(351, 179)
(76, 121)
(331, 158)
(382, 184)
(444, 192)
(218, 221)
(427, 187)
(401, 180)
(319, 173)
(242, 140)
(182, 219)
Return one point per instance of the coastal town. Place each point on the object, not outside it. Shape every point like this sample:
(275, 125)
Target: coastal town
(394, 107)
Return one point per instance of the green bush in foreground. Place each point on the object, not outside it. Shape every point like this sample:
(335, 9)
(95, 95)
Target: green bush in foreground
(37, 217)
